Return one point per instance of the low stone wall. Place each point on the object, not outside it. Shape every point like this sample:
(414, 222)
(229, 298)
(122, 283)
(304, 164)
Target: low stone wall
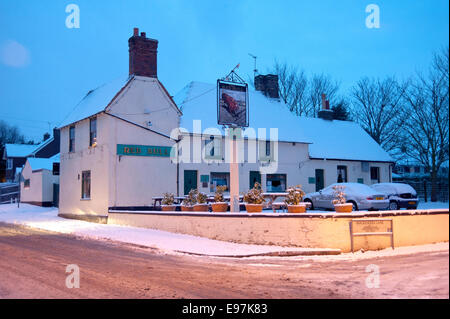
(314, 230)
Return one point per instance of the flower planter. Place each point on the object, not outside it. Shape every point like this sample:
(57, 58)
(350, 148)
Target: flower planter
(201, 208)
(301, 208)
(343, 208)
(219, 207)
(187, 208)
(168, 208)
(254, 208)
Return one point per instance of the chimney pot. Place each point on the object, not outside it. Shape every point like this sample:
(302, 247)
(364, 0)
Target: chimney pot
(143, 34)
(324, 102)
(135, 32)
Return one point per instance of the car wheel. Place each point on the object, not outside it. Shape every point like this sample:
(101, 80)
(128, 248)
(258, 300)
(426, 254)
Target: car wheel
(355, 207)
(393, 206)
(309, 201)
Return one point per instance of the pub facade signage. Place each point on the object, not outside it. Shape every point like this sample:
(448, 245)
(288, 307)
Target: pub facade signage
(143, 150)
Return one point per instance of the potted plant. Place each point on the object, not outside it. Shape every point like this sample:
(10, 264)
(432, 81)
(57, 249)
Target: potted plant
(294, 199)
(339, 201)
(167, 202)
(201, 205)
(188, 203)
(254, 199)
(219, 205)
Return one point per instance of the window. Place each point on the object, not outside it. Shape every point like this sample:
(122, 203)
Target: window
(9, 163)
(265, 150)
(276, 182)
(72, 139)
(375, 174)
(93, 131)
(212, 148)
(406, 169)
(268, 148)
(342, 174)
(26, 183)
(416, 169)
(219, 179)
(86, 185)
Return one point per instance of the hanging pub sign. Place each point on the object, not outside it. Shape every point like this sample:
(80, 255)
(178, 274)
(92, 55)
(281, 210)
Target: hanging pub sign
(232, 103)
(143, 150)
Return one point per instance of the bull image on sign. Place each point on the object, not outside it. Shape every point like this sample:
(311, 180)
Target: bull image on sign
(232, 104)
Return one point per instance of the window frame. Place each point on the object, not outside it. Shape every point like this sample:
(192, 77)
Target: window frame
(377, 169)
(9, 163)
(71, 139)
(345, 170)
(26, 183)
(269, 176)
(86, 182)
(92, 133)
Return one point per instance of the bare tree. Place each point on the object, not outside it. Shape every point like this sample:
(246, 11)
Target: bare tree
(321, 84)
(9, 134)
(378, 106)
(427, 125)
(303, 96)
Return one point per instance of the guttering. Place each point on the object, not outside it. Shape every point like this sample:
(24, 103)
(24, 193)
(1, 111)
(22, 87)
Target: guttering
(349, 160)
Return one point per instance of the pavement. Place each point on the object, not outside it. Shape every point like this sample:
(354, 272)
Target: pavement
(46, 218)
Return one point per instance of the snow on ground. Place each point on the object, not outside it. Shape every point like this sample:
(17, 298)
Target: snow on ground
(47, 219)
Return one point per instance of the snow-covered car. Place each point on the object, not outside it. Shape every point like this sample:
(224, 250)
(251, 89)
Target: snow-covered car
(399, 195)
(360, 195)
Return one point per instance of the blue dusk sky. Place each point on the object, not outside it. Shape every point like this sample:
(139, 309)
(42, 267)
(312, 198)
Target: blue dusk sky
(46, 68)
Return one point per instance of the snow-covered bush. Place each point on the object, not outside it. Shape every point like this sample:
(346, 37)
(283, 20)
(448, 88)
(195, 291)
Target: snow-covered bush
(295, 195)
(201, 198)
(339, 194)
(191, 198)
(168, 199)
(254, 196)
(218, 196)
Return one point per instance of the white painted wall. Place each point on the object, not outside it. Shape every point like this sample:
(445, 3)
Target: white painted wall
(41, 185)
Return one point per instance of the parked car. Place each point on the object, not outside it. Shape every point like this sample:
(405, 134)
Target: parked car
(360, 195)
(399, 195)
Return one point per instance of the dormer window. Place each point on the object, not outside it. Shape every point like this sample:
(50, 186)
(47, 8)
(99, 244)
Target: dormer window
(93, 132)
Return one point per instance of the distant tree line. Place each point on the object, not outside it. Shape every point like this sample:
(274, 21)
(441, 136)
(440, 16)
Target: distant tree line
(409, 119)
(9, 134)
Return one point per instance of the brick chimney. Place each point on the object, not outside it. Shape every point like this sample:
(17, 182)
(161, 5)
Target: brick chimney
(325, 113)
(268, 85)
(143, 52)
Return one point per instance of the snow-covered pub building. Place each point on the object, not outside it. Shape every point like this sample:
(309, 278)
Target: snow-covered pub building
(117, 145)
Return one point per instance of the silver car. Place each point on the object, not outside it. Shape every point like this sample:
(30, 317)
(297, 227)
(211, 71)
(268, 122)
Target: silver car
(400, 195)
(360, 195)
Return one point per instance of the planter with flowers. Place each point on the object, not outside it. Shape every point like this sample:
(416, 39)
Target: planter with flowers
(167, 203)
(188, 203)
(254, 199)
(339, 202)
(294, 200)
(201, 205)
(219, 205)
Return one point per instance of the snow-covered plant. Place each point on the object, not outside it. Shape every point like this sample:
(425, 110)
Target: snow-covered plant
(191, 198)
(168, 199)
(295, 195)
(254, 195)
(201, 198)
(218, 196)
(339, 194)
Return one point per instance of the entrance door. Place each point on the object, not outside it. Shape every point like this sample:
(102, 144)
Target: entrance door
(190, 180)
(255, 177)
(320, 181)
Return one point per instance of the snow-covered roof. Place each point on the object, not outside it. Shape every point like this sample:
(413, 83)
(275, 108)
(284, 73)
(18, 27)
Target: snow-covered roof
(95, 101)
(19, 150)
(42, 145)
(330, 139)
(43, 163)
